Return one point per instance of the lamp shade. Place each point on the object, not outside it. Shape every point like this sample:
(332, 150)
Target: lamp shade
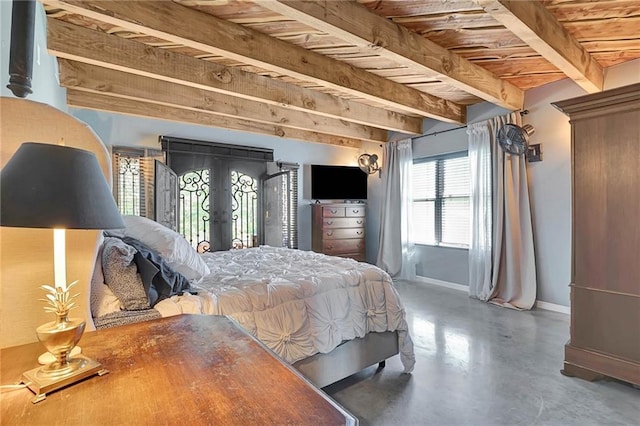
(53, 186)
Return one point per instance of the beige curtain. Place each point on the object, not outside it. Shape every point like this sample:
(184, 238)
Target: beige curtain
(512, 278)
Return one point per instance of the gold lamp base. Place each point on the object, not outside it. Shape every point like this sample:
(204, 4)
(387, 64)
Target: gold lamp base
(60, 337)
(43, 380)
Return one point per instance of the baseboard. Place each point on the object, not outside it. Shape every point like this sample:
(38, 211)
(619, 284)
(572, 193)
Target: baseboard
(460, 287)
(601, 363)
(553, 307)
(440, 283)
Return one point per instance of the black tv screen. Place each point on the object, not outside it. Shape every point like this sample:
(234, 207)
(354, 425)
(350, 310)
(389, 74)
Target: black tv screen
(338, 183)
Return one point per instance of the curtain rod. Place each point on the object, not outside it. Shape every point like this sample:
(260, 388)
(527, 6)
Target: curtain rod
(524, 112)
(440, 131)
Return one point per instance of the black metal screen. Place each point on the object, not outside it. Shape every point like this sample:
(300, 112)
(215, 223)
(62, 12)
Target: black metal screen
(244, 210)
(195, 209)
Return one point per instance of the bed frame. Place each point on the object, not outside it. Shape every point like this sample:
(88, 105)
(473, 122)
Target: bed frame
(349, 358)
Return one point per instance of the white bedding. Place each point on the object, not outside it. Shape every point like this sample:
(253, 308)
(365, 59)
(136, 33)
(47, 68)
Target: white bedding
(298, 302)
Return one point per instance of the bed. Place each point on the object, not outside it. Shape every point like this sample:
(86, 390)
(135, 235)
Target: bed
(329, 317)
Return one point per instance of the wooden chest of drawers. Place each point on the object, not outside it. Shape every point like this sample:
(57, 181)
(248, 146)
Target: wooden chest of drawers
(338, 230)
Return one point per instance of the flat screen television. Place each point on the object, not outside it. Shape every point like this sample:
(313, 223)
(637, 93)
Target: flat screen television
(338, 183)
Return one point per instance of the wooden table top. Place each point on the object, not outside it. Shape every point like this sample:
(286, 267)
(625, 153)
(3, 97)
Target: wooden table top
(190, 369)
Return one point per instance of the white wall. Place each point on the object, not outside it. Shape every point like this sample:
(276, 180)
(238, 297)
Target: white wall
(374, 205)
(549, 183)
(622, 75)
(123, 130)
(44, 81)
(447, 263)
(550, 180)
(115, 129)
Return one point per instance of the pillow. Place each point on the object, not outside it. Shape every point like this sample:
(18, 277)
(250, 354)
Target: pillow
(173, 247)
(101, 300)
(158, 278)
(121, 274)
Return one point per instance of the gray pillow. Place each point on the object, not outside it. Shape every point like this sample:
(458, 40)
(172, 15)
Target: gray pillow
(121, 274)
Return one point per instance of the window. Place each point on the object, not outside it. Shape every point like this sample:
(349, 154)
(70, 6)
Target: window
(194, 209)
(290, 205)
(280, 205)
(441, 200)
(133, 179)
(248, 198)
(244, 210)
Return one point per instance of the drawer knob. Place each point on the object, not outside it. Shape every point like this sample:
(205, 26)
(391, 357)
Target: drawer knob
(330, 233)
(329, 222)
(356, 211)
(359, 232)
(330, 247)
(334, 211)
(359, 222)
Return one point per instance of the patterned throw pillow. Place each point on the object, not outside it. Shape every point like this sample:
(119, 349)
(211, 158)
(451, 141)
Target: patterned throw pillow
(102, 299)
(121, 274)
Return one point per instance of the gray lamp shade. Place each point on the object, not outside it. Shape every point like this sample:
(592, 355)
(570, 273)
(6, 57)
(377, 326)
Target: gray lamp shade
(53, 186)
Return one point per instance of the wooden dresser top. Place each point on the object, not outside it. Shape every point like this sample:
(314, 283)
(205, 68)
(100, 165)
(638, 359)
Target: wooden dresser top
(188, 369)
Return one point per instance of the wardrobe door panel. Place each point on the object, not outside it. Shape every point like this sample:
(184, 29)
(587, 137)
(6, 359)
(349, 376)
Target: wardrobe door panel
(589, 211)
(605, 288)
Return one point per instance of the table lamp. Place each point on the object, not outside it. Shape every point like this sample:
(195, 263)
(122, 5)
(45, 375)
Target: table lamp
(58, 187)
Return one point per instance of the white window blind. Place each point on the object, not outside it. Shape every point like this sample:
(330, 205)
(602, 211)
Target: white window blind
(133, 179)
(441, 200)
(290, 215)
(424, 202)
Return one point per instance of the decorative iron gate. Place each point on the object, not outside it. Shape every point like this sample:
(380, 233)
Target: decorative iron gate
(244, 210)
(197, 201)
(194, 209)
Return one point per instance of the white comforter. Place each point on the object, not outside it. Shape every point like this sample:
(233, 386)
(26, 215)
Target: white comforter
(298, 302)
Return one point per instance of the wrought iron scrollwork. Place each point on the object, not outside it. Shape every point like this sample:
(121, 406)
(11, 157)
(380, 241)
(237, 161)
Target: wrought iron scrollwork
(195, 209)
(244, 210)
(129, 185)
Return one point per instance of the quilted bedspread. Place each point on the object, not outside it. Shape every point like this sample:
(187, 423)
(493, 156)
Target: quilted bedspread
(300, 303)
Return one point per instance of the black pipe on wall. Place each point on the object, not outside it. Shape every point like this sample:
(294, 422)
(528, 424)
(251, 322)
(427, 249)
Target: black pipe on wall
(21, 53)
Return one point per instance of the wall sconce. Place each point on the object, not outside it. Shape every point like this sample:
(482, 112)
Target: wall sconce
(368, 163)
(534, 153)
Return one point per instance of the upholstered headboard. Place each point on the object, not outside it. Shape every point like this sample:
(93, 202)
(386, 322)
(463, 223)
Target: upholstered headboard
(26, 255)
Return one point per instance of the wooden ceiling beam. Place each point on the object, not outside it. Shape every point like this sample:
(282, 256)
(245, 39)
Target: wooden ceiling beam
(358, 25)
(97, 79)
(536, 26)
(73, 42)
(173, 22)
(102, 102)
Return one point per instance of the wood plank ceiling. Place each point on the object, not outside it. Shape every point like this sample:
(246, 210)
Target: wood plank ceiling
(336, 71)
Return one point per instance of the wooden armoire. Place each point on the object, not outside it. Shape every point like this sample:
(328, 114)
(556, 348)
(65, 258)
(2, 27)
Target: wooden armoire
(605, 270)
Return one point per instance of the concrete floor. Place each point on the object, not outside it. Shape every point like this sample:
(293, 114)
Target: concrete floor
(479, 364)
